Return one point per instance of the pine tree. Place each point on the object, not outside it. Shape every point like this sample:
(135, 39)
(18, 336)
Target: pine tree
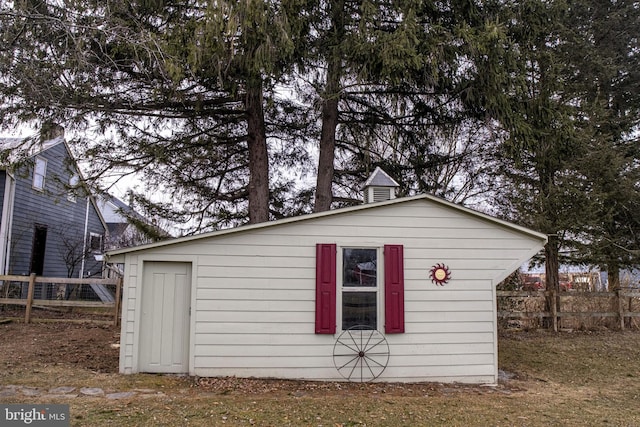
(570, 102)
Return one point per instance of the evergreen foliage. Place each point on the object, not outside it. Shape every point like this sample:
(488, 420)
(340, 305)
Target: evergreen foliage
(572, 117)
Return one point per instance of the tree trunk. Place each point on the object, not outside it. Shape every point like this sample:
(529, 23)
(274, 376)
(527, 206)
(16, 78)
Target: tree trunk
(613, 275)
(258, 157)
(552, 275)
(613, 285)
(331, 98)
(324, 194)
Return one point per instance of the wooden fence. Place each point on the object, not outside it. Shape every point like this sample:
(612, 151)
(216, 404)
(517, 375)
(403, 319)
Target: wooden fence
(29, 300)
(568, 308)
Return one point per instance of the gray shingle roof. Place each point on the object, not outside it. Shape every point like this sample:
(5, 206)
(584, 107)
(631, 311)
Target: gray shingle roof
(380, 178)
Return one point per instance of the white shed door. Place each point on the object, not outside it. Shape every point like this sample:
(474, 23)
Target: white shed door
(164, 324)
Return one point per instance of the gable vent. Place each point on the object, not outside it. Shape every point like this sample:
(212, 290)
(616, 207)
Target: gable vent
(382, 194)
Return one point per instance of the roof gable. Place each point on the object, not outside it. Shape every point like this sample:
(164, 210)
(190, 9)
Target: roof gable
(343, 211)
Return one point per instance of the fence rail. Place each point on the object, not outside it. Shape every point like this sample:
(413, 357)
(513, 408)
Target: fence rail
(621, 306)
(58, 292)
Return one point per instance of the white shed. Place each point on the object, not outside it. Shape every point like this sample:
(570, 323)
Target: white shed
(399, 290)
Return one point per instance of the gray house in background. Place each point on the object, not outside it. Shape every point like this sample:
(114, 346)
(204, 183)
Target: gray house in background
(126, 227)
(50, 224)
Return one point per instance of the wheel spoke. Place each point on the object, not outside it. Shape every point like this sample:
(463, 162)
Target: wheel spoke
(374, 361)
(365, 346)
(355, 365)
(367, 349)
(358, 346)
(356, 357)
(352, 349)
(369, 368)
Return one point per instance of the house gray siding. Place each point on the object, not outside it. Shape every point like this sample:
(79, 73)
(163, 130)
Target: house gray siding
(3, 180)
(63, 219)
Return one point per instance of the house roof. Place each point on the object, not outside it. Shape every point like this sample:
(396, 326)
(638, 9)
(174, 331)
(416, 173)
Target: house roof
(342, 211)
(120, 210)
(21, 148)
(120, 215)
(380, 178)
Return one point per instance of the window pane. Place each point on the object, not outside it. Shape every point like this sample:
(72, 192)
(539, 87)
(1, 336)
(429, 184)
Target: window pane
(359, 267)
(95, 242)
(41, 166)
(359, 309)
(38, 182)
(39, 172)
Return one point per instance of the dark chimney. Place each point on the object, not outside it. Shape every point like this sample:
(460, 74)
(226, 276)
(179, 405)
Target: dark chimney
(51, 130)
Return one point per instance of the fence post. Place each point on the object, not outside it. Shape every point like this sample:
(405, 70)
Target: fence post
(620, 308)
(117, 301)
(30, 292)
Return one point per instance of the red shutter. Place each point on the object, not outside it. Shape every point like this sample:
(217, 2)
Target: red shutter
(325, 289)
(394, 289)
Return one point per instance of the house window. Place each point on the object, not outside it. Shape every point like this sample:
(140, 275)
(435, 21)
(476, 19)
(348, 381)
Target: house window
(95, 243)
(359, 288)
(39, 173)
(364, 290)
(73, 188)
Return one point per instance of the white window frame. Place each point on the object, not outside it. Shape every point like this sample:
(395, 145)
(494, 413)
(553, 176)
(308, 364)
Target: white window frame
(377, 289)
(73, 186)
(39, 173)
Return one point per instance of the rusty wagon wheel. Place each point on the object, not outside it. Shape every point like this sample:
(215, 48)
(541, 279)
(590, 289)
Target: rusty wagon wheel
(361, 354)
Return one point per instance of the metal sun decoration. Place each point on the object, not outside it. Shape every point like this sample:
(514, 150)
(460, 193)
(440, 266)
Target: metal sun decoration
(440, 274)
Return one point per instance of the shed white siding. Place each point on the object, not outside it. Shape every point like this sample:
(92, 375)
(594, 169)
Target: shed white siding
(253, 295)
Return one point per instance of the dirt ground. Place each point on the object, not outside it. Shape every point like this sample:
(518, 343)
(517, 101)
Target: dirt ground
(86, 346)
(95, 348)
(77, 348)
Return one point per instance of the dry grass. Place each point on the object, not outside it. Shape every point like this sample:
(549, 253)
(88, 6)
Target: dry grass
(568, 379)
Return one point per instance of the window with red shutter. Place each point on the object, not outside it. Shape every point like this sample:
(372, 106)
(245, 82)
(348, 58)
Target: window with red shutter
(325, 289)
(359, 288)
